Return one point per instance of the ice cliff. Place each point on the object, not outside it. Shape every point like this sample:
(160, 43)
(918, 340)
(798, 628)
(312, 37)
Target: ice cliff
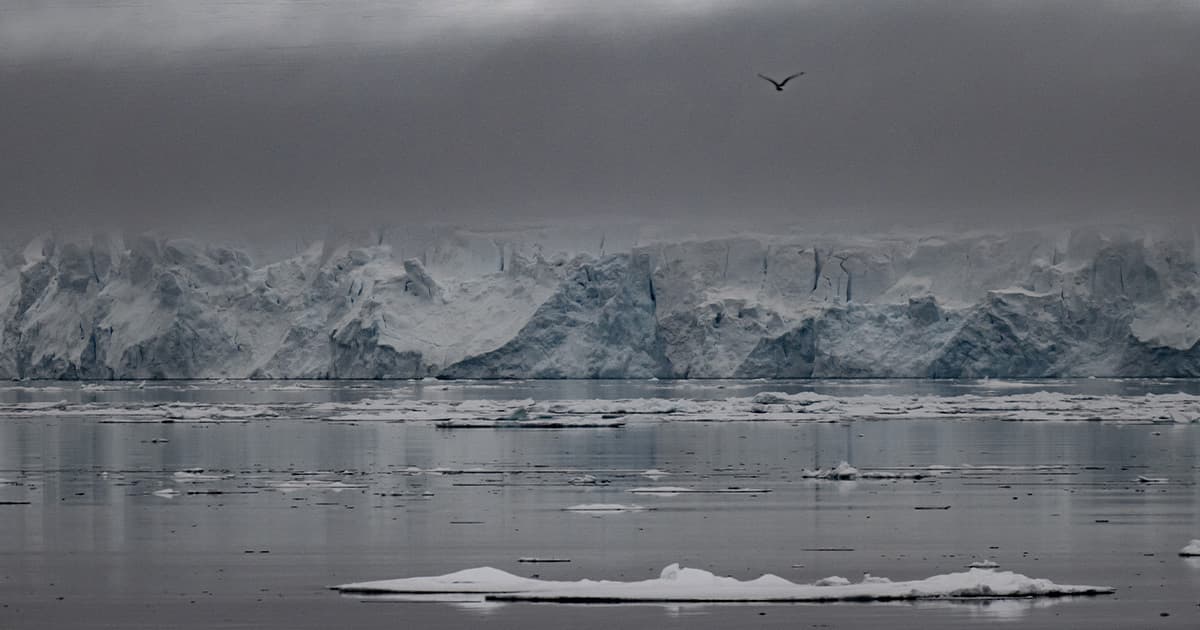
(1083, 302)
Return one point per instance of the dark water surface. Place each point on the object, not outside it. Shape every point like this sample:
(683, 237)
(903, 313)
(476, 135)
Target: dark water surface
(95, 548)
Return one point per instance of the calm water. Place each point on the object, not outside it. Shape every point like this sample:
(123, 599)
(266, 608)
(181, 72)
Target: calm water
(94, 547)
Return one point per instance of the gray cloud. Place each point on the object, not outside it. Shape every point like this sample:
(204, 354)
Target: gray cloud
(910, 112)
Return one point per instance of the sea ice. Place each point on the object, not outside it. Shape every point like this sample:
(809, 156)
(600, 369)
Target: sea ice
(1192, 548)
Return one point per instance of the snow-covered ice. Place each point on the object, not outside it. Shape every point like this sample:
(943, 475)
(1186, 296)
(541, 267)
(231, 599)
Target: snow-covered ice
(1192, 548)
(1087, 301)
(678, 584)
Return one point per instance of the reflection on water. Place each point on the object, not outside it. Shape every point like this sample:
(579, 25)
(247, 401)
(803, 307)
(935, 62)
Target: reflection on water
(287, 506)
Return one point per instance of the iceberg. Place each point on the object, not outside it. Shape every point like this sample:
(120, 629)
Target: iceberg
(458, 303)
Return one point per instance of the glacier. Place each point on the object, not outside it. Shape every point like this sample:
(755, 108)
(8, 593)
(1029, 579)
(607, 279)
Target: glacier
(473, 304)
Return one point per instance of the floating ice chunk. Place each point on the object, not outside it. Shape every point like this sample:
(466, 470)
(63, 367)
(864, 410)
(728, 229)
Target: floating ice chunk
(1192, 548)
(667, 491)
(549, 422)
(842, 472)
(583, 480)
(604, 508)
(984, 564)
(195, 474)
(296, 485)
(679, 584)
(483, 580)
(660, 491)
(1145, 479)
(166, 493)
(655, 473)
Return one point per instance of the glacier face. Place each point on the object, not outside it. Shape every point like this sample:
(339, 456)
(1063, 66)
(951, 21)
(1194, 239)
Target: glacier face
(461, 304)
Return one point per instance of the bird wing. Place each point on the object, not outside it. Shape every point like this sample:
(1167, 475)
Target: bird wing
(784, 82)
(773, 81)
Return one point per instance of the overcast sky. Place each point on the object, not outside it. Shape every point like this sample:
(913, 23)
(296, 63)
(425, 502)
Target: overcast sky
(164, 112)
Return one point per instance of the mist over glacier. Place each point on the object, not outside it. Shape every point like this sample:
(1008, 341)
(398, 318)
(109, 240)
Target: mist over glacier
(625, 302)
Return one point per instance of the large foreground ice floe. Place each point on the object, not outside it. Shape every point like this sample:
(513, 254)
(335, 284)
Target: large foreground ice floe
(678, 584)
(1178, 408)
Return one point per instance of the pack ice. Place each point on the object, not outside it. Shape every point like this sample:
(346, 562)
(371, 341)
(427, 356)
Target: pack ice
(526, 304)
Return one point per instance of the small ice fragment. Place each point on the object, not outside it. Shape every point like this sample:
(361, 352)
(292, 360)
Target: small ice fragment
(604, 507)
(1145, 479)
(166, 493)
(660, 491)
(984, 564)
(195, 474)
(842, 472)
(1192, 549)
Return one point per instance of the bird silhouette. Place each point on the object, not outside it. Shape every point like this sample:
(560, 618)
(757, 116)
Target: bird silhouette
(779, 84)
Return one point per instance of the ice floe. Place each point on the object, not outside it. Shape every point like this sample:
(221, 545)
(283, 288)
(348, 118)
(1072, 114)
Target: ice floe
(674, 490)
(678, 584)
(605, 508)
(1192, 548)
(196, 475)
(296, 485)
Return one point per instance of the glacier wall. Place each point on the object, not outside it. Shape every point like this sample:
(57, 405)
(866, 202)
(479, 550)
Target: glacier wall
(462, 304)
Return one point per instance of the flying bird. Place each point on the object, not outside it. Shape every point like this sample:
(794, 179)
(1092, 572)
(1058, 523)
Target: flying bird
(779, 84)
